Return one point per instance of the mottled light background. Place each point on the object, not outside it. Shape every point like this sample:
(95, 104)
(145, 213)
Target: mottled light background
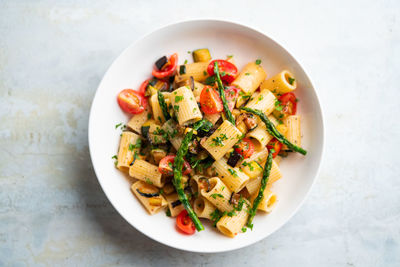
(52, 57)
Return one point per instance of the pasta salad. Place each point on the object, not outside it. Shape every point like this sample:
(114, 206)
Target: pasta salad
(205, 140)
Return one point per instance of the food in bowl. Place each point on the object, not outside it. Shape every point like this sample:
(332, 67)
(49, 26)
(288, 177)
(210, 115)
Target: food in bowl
(205, 140)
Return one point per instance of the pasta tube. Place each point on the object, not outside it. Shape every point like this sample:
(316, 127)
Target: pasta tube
(223, 139)
(203, 208)
(233, 178)
(254, 184)
(174, 204)
(185, 106)
(218, 195)
(281, 83)
(268, 202)
(147, 172)
(249, 80)
(137, 120)
(264, 101)
(151, 204)
(260, 135)
(293, 134)
(232, 225)
(127, 149)
(156, 108)
(197, 70)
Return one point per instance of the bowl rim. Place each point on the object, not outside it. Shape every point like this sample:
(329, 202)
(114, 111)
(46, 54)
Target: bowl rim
(236, 24)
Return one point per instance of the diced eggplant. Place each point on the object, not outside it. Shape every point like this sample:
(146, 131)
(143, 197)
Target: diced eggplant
(145, 131)
(176, 203)
(194, 147)
(201, 55)
(168, 188)
(248, 119)
(148, 195)
(234, 158)
(161, 62)
(182, 69)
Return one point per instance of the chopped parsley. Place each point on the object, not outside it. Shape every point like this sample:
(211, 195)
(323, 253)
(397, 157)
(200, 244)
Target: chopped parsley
(260, 97)
(218, 141)
(232, 172)
(244, 229)
(185, 61)
(119, 124)
(176, 108)
(278, 105)
(229, 56)
(258, 61)
(147, 180)
(291, 80)
(247, 73)
(216, 215)
(205, 73)
(168, 213)
(178, 98)
(214, 196)
(249, 165)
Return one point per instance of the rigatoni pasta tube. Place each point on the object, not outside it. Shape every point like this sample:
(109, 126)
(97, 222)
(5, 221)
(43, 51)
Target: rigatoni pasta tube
(156, 108)
(293, 134)
(145, 171)
(213, 118)
(170, 127)
(203, 208)
(248, 80)
(174, 204)
(198, 87)
(223, 139)
(218, 195)
(260, 135)
(282, 82)
(152, 204)
(127, 150)
(268, 202)
(185, 106)
(232, 225)
(254, 184)
(137, 120)
(264, 101)
(197, 70)
(233, 178)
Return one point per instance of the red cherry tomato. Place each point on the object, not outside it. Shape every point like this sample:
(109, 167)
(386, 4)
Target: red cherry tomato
(275, 145)
(166, 166)
(288, 103)
(231, 94)
(143, 87)
(169, 69)
(131, 101)
(184, 223)
(245, 148)
(210, 102)
(227, 70)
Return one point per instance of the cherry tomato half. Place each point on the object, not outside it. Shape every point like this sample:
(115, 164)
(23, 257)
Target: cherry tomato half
(169, 68)
(288, 103)
(131, 101)
(210, 102)
(231, 94)
(143, 87)
(227, 70)
(166, 166)
(245, 147)
(275, 145)
(184, 223)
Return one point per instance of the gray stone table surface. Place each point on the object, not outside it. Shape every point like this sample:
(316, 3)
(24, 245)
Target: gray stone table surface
(53, 55)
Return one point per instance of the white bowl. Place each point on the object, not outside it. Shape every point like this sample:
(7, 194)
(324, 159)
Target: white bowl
(222, 38)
